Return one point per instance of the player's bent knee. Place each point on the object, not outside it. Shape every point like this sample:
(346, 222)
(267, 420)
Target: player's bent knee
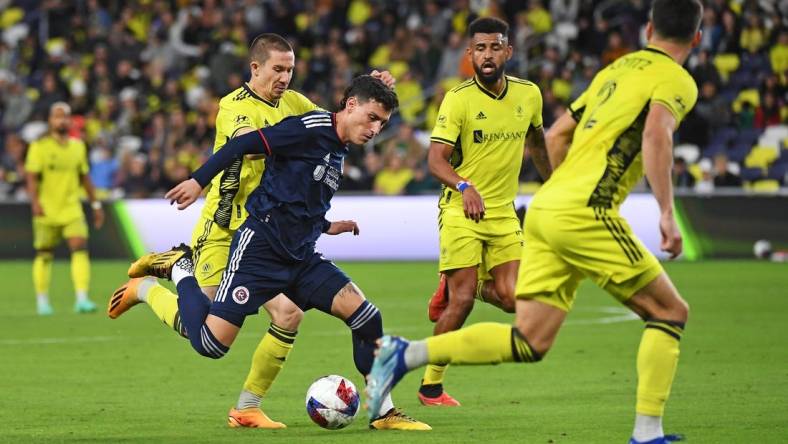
(288, 319)
(206, 344)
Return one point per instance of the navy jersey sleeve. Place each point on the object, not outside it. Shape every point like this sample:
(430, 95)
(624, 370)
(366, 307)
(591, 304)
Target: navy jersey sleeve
(295, 136)
(249, 143)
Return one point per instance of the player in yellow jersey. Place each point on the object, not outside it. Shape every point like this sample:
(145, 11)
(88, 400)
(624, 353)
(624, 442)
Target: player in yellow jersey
(263, 101)
(477, 149)
(619, 127)
(57, 166)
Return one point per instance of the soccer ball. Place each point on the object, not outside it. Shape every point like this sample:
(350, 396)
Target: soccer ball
(762, 249)
(332, 402)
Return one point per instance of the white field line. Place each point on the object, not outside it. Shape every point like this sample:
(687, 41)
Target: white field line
(614, 315)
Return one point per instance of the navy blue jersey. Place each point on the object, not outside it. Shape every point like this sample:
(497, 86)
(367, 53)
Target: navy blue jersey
(303, 171)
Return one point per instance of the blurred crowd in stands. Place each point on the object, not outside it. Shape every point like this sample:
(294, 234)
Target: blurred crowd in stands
(144, 78)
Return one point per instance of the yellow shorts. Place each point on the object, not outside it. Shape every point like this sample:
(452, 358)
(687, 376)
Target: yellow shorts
(47, 236)
(210, 248)
(564, 246)
(495, 240)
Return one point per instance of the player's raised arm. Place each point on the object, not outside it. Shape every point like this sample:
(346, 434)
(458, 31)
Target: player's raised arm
(658, 162)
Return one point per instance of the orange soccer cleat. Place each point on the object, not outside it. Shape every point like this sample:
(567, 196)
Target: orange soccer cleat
(123, 298)
(252, 417)
(444, 400)
(439, 300)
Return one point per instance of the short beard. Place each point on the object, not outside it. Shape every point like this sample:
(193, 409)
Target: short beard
(488, 79)
(61, 130)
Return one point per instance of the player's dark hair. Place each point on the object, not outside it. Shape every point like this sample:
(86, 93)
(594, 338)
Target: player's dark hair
(263, 44)
(365, 88)
(488, 25)
(677, 20)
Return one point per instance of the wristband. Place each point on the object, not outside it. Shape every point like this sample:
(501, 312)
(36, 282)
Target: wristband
(96, 205)
(462, 185)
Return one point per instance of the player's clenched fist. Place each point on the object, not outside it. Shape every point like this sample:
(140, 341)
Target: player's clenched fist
(185, 193)
(343, 226)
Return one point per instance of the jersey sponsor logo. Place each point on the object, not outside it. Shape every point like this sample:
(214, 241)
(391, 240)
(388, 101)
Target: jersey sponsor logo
(327, 174)
(320, 170)
(240, 119)
(240, 295)
(480, 136)
(441, 121)
(480, 116)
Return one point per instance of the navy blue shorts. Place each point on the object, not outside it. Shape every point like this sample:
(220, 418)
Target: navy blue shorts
(255, 274)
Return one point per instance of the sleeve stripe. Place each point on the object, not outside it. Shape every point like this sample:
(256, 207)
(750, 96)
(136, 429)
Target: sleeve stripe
(265, 142)
(442, 140)
(670, 108)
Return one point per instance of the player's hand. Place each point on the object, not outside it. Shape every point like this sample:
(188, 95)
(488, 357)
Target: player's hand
(98, 218)
(343, 226)
(473, 204)
(36, 207)
(671, 236)
(185, 193)
(385, 77)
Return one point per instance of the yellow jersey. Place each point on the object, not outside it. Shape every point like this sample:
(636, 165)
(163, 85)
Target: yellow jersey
(488, 133)
(60, 168)
(604, 160)
(242, 108)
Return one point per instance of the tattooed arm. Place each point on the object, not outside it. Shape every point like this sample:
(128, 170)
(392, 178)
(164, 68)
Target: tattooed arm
(536, 147)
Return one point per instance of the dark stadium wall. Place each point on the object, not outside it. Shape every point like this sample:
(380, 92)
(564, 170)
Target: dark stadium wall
(16, 235)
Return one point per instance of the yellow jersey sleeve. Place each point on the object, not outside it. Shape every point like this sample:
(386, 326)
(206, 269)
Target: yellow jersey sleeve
(578, 106)
(451, 117)
(33, 162)
(678, 94)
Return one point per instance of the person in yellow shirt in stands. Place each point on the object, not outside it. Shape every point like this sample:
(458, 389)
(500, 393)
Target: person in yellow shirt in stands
(57, 167)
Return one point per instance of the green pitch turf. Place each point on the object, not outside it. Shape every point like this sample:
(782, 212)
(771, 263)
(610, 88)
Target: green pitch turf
(73, 377)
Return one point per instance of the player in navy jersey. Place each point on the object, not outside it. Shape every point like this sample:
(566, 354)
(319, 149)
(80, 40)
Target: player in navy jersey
(274, 250)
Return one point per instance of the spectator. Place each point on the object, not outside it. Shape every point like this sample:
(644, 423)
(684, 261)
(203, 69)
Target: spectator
(394, 176)
(768, 113)
(616, 47)
(682, 178)
(704, 70)
(722, 175)
(12, 161)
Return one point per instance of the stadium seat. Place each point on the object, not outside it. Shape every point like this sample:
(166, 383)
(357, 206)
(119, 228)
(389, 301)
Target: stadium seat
(778, 172)
(761, 157)
(687, 151)
(748, 95)
(726, 64)
(763, 186)
(723, 136)
(737, 153)
(747, 136)
(752, 174)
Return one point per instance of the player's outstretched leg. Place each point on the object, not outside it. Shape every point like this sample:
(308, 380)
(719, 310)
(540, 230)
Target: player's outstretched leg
(366, 324)
(161, 301)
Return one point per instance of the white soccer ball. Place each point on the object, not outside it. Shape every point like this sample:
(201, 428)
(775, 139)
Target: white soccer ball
(762, 249)
(332, 402)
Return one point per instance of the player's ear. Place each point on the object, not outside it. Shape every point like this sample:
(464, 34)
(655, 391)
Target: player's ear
(697, 38)
(509, 52)
(351, 104)
(649, 30)
(254, 67)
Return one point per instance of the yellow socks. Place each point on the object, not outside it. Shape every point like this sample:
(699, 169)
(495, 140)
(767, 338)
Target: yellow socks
(434, 374)
(163, 302)
(80, 272)
(482, 343)
(42, 272)
(268, 359)
(657, 359)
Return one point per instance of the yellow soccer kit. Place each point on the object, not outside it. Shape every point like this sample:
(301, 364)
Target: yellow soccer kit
(224, 210)
(488, 134)
(572, 228)
(60, 168)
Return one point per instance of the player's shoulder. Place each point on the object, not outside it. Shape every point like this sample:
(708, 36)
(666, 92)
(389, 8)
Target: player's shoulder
(522, 86)
(292, 96)
(462, 87)
(316, 119)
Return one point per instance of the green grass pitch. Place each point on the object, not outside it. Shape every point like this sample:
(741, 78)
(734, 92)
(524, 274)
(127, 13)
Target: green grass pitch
(84, 378)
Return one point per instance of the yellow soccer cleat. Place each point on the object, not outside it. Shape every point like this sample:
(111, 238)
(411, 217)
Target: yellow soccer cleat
(394, 419)
(123, 298)
(159, 264)
(252, 417)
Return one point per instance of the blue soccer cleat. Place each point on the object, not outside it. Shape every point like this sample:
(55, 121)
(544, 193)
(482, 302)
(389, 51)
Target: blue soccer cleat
(85, 306)
(667, 439)
(387, 370)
